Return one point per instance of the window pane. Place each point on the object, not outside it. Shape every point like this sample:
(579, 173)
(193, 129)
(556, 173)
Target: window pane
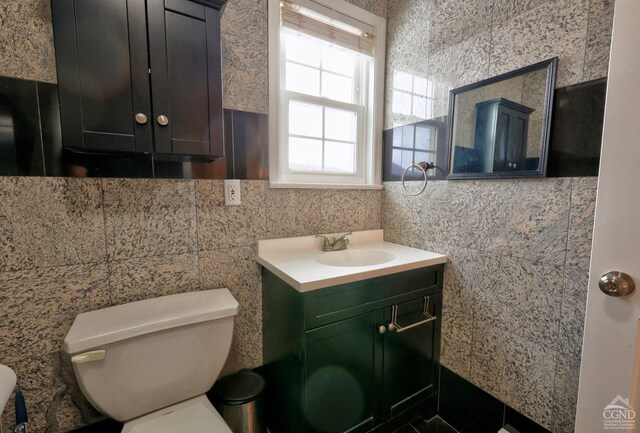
(420, 107)
(407, 158)
(424, 156)
(337, 87)
(396, 162)
(305, 119)
(302, 50)
(401, 103)
(339, 61)
(402, 81)
(424, 138)
(305, 154)
(340, 125)
(420, 86)
(303, 79)
(339, 157)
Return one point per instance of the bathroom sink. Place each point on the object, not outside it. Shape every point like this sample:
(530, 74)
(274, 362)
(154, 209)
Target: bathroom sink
(347, 258)
(7, 384)
(301, 263)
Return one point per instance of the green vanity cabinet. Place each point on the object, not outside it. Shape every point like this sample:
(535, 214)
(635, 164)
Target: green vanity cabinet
(341, 375)
(333, 365)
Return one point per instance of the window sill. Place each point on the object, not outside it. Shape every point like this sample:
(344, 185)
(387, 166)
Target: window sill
(322, 185)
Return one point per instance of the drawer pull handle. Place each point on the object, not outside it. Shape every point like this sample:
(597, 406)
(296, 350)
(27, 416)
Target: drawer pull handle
(393, 326)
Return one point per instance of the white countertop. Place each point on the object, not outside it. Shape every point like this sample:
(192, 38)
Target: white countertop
(294, 260)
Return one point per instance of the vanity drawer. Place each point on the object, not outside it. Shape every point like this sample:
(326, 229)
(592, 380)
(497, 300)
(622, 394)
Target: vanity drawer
(330, 304)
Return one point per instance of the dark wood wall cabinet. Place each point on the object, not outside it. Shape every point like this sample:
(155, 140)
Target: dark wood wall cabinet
(502, 127)
(333, 365)
(140, 76)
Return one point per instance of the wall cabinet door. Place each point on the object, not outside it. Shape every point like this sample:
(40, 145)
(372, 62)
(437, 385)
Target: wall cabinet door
(410, 357)
(511, 140)
(140, 76)
(186, 77)
(343, 366)
(101, 56)
(501, 135)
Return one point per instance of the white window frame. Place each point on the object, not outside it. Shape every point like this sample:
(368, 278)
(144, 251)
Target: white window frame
(369, 156)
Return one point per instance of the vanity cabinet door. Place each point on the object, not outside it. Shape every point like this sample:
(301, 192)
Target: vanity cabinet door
(186, 78)
(343, 368)
(411, 357)
(103, 76)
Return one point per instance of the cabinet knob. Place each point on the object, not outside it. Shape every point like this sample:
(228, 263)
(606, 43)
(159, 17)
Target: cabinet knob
(163, 120)
(141, 118)
(382, 329)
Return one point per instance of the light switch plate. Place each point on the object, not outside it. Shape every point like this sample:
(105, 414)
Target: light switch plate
(232, 195)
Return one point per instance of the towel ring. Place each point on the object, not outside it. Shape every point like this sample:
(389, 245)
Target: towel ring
(423, 166)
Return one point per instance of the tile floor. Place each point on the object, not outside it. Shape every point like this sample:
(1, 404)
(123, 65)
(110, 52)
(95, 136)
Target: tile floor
(434, 425)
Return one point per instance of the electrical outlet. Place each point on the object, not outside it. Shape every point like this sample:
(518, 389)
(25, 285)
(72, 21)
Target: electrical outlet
(232, 193)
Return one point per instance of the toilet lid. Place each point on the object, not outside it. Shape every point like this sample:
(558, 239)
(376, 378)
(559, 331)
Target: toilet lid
(195, 416)
(96, 329)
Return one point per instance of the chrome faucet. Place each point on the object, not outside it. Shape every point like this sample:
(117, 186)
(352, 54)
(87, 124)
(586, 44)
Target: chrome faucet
(336, 244)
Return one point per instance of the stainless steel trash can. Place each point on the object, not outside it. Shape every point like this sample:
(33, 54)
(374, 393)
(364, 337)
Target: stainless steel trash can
(239, 399)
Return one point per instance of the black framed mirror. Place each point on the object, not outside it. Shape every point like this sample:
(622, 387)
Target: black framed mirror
(500, 127)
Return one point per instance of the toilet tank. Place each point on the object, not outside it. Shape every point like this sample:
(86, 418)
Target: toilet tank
(136, 358)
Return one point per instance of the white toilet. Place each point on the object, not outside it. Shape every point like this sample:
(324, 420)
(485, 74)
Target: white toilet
(149, 363)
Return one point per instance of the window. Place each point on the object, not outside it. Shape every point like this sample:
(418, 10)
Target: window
(413, 97)
(326, 94)
(416, 142)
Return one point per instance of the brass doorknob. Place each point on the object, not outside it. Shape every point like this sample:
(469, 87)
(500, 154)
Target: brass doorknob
(616, 284)
(382, 329)
(163, 120)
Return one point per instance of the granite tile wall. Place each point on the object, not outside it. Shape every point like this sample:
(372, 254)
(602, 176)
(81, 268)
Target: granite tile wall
(27, 52)
(69, 245)
(451, 43)
(515, 286)
(519, 250)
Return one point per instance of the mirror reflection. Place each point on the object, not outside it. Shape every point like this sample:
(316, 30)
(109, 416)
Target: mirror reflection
(499, 126)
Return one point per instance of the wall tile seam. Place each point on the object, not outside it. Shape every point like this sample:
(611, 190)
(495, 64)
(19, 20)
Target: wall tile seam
(14, 360)
(253, 246)
(498, 382)
(56, 266)
(153, 256)
(529, 261)
(190, 250)
(506, 332)
(571, 210)
(563, 404)
(505, 398)
(378, 204)
(588, 26)
(536, 341)
(562, 304)
(197, 240)
(555, 396)
(493, 13)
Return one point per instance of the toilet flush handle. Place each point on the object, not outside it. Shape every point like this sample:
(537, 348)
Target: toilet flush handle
(94, 355)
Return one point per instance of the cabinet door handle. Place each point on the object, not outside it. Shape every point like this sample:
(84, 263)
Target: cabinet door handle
(141, 118)
(163, 120)
(382, 329)
(393, 326)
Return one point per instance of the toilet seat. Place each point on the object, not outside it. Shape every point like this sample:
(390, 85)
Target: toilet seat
(196, 415)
